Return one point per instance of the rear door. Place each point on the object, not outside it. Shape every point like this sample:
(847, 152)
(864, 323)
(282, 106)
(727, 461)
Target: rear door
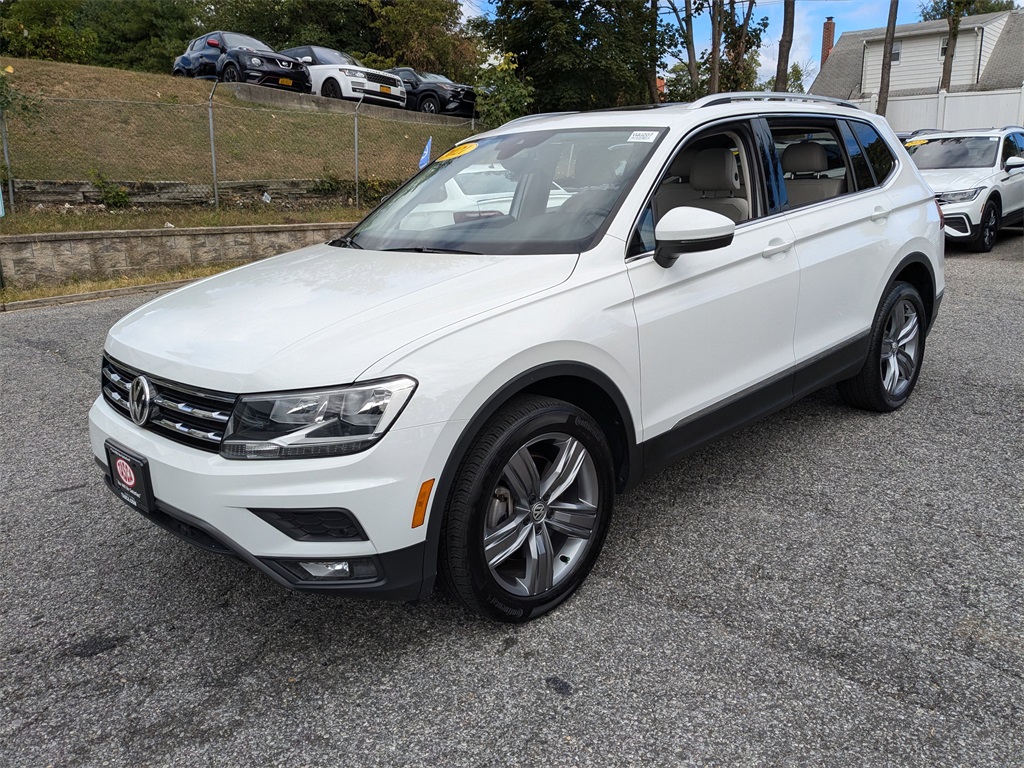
(846, 234)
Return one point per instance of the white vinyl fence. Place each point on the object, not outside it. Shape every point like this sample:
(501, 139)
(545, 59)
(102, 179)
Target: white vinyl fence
(952, 111)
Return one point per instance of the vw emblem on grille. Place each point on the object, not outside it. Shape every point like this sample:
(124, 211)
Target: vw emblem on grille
(139, 399)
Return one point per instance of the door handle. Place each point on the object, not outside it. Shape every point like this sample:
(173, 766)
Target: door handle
(775, 245)
(880, 213)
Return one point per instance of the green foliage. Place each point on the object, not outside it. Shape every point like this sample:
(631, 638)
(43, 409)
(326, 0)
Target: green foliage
(12, 101)
(111, 195)
(427, 35)
(581, 54)
(501, 96)
(329, 184)
(46, 29)
(796, 79)
(944, 9)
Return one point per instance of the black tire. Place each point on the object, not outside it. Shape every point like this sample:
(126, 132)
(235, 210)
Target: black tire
(230, 74)
(895, 353)
(493, 493)
(330, 89)
(988, 229)
(178, 73)
(429, 104)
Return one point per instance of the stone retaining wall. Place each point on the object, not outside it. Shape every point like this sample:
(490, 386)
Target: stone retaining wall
(27, 260)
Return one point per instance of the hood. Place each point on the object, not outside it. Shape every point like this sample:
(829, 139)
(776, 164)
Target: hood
(954, 179)
(319, 316)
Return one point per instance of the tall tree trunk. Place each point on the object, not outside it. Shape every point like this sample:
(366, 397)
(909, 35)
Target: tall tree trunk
(953, 22)
(685, 23)
(651, 72)
(890, 33)
(785, 45)
(717, 11)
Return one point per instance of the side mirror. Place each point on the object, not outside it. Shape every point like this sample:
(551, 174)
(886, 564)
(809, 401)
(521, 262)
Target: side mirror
(689, 230)
(410, 83)
(1013, 162)
(306, 59)
(212, 42)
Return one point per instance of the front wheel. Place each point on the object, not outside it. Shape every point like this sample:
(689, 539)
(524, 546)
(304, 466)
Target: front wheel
(330, 89)
(529, 510)
(231, 73)
(988, 229)
(894, 355)
(430, 105)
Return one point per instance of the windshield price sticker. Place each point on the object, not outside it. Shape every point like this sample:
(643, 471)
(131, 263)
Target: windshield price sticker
(645, 136)
(916, 143)
(459, 151)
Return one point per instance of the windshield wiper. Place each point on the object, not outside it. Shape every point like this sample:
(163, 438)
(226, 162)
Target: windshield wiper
(431, 250)
(345, 242)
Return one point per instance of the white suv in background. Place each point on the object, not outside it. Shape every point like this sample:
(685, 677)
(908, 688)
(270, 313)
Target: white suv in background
(336, 75)
(978, 179)
(463, 395)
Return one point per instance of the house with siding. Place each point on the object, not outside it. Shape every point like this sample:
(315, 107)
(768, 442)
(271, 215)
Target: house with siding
(989, 59)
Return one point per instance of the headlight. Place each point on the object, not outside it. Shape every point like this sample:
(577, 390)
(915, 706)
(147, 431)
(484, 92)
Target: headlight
(961, 196)
(328, 422)
(351, 72)
(255, 61)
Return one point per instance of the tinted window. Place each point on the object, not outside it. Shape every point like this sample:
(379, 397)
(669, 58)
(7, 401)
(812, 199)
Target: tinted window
(861, 170)
(1018, 138)
(878, 153)
(231, 40)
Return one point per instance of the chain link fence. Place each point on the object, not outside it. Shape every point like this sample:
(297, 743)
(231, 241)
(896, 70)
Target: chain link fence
(218, 153)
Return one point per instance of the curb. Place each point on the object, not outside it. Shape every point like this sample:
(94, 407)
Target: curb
(74, 298)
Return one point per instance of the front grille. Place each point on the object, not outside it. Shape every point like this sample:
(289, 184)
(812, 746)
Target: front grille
(382, 79)
(313, 524)
(184, 414)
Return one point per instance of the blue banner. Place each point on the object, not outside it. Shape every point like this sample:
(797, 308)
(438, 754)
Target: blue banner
(425, 157)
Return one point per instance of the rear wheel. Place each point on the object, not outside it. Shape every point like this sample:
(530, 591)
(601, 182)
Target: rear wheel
(894, 355)
(529, 510)
(988, 229)
(330, 89)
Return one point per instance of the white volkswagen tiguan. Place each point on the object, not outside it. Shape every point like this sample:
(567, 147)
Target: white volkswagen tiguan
(463, 396)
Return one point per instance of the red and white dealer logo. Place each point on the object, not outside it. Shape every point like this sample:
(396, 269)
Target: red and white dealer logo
(124, 471)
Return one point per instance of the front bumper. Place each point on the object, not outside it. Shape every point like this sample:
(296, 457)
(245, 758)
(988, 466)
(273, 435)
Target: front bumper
(299, 83)
(962, 219)
(210, 502)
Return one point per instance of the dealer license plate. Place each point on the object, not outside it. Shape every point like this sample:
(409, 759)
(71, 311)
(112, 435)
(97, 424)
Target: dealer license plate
(385, 89)
(285, 81)
(129, 477)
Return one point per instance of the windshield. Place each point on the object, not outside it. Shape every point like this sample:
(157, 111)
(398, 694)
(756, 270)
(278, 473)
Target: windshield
(231, 40)
(432, 78)
(954, 152)
(523, 193)
(331, 56)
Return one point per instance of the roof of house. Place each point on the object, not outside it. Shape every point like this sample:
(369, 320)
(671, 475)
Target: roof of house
(840, 75)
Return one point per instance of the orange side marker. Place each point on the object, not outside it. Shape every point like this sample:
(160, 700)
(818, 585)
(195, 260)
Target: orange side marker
(420, 513)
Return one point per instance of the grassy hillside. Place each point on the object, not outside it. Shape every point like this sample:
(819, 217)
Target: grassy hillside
(134, 126)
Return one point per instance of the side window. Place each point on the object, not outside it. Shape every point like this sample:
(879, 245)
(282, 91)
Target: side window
(814, 164)
(878, 153)
(713, 171)
(1009, 148)
(861, 170)
(642, 240)
(1018, 139)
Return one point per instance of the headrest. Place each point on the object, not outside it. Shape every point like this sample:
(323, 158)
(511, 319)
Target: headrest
(806, 157)
(682, 164)
(714, 170)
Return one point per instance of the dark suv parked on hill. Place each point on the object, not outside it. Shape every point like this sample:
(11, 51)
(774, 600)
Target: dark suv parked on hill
(236, 58)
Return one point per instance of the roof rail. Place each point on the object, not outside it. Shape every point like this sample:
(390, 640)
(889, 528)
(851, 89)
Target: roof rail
(727, 98)
(1012, 128)
(538, 115)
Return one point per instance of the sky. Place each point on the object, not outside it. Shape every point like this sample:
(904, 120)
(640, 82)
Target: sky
(849, 16)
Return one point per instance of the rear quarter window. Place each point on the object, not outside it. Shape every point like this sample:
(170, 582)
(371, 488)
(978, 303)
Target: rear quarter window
(878, 154)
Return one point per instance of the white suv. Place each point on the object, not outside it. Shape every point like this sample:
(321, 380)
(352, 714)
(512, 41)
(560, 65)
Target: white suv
(465, 395)
(978, 179)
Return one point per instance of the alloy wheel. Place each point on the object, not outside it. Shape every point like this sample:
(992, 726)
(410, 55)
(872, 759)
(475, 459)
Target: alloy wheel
(899, 352)
(542, 515)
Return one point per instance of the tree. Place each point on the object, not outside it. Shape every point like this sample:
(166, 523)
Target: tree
(890, 33)
(798, 72)
(502, 96)
(785, 44)
(581, 54)
(428, 35)
(952, 11)
(46, 29)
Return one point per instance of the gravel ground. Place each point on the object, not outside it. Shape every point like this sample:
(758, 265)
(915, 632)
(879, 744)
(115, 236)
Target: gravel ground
(828, 587)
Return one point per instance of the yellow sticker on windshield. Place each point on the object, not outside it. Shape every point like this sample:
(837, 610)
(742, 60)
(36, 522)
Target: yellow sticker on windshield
(915, 143)
(459, 151)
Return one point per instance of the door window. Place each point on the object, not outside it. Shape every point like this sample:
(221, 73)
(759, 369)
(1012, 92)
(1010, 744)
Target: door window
(815, 167)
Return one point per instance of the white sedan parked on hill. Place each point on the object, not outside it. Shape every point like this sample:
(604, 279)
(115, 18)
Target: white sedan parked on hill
(337, 75)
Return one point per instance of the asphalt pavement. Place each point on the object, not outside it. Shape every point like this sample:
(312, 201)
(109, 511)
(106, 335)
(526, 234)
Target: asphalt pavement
(828, 587)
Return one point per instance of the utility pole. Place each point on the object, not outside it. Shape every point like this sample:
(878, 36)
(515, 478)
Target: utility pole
(890, 33)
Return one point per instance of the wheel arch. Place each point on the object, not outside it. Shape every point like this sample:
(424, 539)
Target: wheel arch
(582, 385)
(917, 270)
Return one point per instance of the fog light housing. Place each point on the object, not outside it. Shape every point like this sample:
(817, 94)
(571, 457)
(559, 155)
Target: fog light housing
(347, 569)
